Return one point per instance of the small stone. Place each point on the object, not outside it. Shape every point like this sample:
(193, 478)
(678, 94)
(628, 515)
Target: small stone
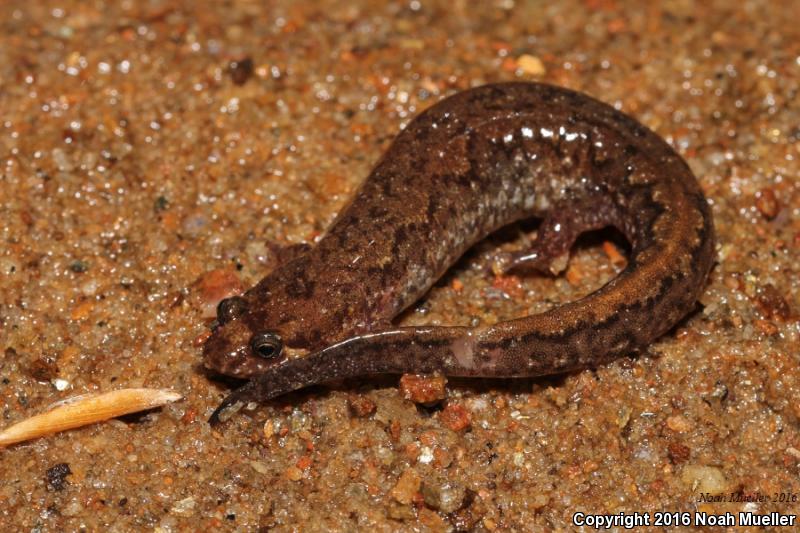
(79, 266)
(361, 406)
(73, 508)
(89, 287)
(704, 479)
(624, 416)
(613, 253)
(470, 513)
(767, 203)
(56, 476)
(161, 204)
(82, 310)
(531, 65)
(794, 452)
(432, 521)
(772, 303)
(539, 501)
(445, 496)
(9, 266)
(765, 326)
(184, 507)
(426, 455)
(398, 511)
(194, 225)
(241, 70)
(406, 487)
(423, 389)
(260, 467)
(43, 369)
(679, 424)
(62, 160)
(455, 417)
(294, 474)
(304, 463)
(269, 429)
(678, 453)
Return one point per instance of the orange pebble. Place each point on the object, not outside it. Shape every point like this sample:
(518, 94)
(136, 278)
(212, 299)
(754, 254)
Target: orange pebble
(82, 310)
(613, 253)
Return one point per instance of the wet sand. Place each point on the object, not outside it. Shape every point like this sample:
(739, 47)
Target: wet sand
(149, 151)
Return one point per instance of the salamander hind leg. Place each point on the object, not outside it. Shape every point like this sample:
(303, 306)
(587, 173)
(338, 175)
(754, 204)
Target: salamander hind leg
(561, 226)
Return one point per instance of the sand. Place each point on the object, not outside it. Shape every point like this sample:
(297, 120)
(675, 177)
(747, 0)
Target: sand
(149, 151)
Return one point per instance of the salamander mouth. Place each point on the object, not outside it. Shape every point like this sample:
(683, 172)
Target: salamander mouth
(227, 352)
(235, 364)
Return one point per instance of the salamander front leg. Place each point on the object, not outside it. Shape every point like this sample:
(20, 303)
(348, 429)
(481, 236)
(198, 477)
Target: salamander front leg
(562, 225)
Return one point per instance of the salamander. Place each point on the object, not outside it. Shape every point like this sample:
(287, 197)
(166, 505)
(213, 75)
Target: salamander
(475, 161)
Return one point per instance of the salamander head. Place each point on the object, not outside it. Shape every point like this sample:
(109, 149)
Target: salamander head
(297, 309)
(237, 349)
(234, 349)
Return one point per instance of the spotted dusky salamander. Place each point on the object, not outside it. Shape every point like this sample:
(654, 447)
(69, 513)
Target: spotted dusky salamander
(474, 162)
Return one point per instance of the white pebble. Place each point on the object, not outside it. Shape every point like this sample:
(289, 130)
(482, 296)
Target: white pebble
(425, 455)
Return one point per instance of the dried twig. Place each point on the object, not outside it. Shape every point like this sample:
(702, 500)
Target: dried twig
(86, 409)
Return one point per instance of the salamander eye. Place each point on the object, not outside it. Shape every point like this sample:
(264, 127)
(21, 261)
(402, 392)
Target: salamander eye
(266, 344)
(231, 309)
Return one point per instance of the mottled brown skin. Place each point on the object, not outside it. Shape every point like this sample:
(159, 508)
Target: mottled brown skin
(470, 164)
